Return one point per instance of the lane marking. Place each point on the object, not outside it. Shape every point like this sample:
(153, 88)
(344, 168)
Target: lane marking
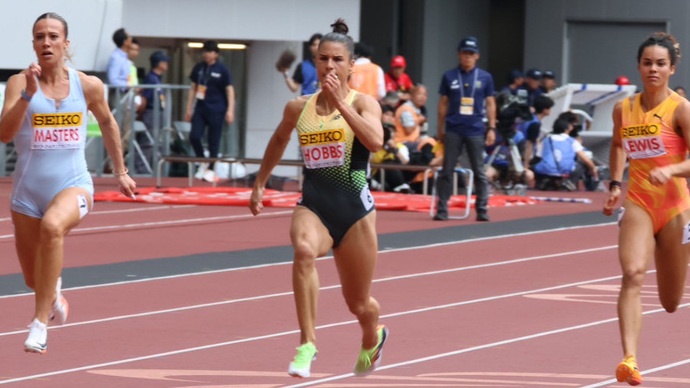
(645, 373)
(157, 224)
(381, 251)
(500, 343)
(339, 377)
(337, 286)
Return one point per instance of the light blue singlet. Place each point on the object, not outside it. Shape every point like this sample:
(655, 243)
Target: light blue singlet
(50, 150)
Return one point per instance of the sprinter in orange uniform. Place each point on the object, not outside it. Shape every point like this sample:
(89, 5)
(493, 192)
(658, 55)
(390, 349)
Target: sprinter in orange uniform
(652, 129)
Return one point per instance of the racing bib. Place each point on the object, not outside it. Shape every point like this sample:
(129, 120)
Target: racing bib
(643, 141)
(323, 148)
(56, 131)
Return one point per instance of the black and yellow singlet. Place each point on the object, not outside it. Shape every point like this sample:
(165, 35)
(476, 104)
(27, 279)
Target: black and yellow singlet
(336, 166)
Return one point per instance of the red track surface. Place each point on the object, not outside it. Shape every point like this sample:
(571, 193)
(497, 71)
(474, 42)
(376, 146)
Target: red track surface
(533, 310)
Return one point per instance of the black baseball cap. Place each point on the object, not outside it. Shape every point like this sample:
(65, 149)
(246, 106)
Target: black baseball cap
(211, 45)
(158, 57)
(549, 74)
(469, 44)
(534, 73)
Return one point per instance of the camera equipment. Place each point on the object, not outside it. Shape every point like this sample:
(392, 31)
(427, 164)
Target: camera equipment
(510, 109)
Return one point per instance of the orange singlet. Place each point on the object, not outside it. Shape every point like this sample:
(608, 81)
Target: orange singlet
(650, 141)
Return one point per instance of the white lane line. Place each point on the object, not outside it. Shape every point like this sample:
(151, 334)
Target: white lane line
(157, 224)
(337, 286)
(499, 343)
(333, 378)
(644, 373)
(382, 251)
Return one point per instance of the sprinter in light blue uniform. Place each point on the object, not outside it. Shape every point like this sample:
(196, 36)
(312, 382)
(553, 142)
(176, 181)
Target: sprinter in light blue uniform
(45, 114)
(50, 148)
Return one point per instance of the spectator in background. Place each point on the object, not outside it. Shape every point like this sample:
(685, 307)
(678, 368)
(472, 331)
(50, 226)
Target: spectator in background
(532, 130)
(681, 91)
(391, 99)
(409, 119)
(305, 73)
(515, 80)
(367, 77)
(548, 81)
(532, 85)
(397, 80)
(392, 153)
(557, 153)
(159, 65)
(119, 65)
(466, 91)
(132, 54)
(211, 100)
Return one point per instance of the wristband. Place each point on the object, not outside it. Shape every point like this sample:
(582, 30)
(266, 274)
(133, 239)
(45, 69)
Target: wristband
(286, 75)
(613, 184)
(25, 95)
(121, 173)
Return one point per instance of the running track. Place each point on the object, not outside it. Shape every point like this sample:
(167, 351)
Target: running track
(200, 296)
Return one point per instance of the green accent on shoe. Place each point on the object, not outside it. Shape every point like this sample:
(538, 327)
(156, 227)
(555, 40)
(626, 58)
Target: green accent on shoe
(301, 364)
(370, 359)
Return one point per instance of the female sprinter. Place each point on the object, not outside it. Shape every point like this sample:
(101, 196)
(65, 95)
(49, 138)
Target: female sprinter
(337, 128)
(653, 129)
(45, 114)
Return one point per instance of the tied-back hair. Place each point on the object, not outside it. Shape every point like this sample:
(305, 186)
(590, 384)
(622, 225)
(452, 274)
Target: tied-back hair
(339, 35)
(664, 40)
(53, 15)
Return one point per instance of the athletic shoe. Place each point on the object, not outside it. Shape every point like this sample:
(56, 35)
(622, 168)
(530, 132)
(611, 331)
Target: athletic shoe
(370, 359)
(37, 342)
(60, 308)
(628, 372)
(210, 176)
(200, 171)
(301, 364)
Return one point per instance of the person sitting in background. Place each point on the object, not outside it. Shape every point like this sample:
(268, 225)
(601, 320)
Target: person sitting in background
(557, 158)
(409, 119)
(391, 153)
(429, 152)
(532, 130)
(397, 80)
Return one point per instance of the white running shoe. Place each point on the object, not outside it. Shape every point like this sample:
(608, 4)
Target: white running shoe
(60, 308)
(210, 176)
(37, 342)
(200, 171)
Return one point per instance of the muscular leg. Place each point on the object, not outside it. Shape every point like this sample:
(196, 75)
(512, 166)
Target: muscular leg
(61, 216)
(635, 250)
(671, 258)
(355, 258)
(310, 239)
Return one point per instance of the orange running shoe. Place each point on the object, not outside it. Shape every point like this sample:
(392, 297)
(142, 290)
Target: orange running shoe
(628, 372)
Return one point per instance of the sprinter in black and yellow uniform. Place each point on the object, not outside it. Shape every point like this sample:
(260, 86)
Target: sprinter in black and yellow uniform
(337, 129)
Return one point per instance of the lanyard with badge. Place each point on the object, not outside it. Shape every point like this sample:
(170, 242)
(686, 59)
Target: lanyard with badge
(467, 103)
(203, 81)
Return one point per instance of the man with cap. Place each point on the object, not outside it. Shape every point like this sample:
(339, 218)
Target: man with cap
(159, 65)
(515, 80)
(397, 80)
(532, 84)
(467, 96)
(548, 81)
(211, 101)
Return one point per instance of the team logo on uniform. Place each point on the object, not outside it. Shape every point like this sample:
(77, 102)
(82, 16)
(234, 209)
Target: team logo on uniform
(56, 130)
(643, 141)
(323, 148)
